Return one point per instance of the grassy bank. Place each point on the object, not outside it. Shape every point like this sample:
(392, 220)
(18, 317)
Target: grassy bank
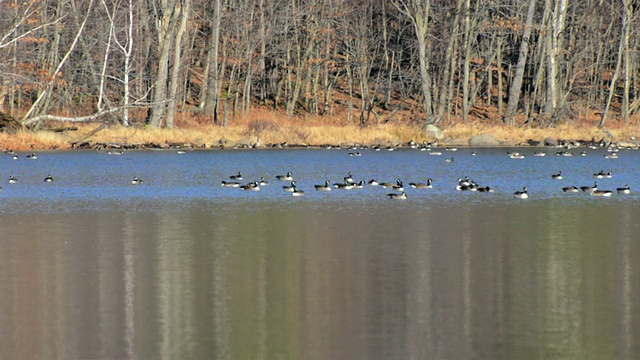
(273, 128)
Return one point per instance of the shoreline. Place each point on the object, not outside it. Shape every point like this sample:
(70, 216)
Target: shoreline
(280, 136)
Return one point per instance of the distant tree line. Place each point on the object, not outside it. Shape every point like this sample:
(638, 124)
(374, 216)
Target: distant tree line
(547, 59)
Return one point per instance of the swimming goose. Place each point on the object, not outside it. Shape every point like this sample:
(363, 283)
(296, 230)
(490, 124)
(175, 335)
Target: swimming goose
(263, 182)
(323, 187)
(613, 155)
(539, 154)
(521, 194)
(238, 176)
(590, 188)
(252, 186)
(570, 189)
(349, 178)
(297, 192)
(32, 156)
(49, 178)
(399, 186)
(515, 155)
(343, 186)
(436, 153)
(450, 160)
(426, 185)
(602, 175)
(291, 187)
(358, 185)
(557, 176)
(624, 190)
(373, 182)
(401, 196)
(12, 180)
(601, 193)
(357, 153)
(287, 177)
(136, 181)
(232, 184)
(485, 189)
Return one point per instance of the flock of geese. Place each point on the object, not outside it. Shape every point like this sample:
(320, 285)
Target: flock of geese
(398, 186)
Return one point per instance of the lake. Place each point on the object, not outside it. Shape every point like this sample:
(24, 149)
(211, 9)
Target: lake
(179, 267)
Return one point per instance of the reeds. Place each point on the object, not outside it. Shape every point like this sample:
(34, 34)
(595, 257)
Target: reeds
(272, 128)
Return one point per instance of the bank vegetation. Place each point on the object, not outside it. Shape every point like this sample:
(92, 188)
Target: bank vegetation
(320, 71)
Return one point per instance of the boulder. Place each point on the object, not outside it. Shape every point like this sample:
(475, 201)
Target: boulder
(483, 140)
(549, 141)
(9, 124)
(433, 132)
(457, 142)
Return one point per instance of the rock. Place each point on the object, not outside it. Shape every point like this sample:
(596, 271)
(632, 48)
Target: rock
(433, 132)
(548, 141)
(9, 124)
(457, 142)
(483, 140)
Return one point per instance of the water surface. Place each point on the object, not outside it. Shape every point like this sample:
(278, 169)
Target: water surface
(180, 267)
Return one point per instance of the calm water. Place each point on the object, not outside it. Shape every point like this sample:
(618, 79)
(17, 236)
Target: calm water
(92, 267)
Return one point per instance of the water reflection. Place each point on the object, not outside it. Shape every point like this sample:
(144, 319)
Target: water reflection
(200, 280)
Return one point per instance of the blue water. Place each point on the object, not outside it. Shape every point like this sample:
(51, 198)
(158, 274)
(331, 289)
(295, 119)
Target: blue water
(93, 177)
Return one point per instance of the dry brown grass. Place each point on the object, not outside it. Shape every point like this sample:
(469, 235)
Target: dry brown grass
(273, 127)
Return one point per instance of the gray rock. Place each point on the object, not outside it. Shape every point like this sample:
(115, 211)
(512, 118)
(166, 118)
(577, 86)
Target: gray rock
(457, 142)
(548, 141)
(483, 140)
(434, 133)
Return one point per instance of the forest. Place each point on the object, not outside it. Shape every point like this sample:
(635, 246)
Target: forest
(536, 62)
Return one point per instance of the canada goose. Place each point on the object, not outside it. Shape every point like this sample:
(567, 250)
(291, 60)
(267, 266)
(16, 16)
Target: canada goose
(451, 149)
(252, 186)
(435, 153)
(349, 178)
(287, 177)
(136, 181)
(231, 184)
(323, 187)
(401, 196)
(601, 193)
(426, 185)
(358, 185)
(357, 153)
(291, 187)
(600, 175)
(263, 182)
(557, 176)
(474, 153)
(32, 156)
(590, 188)
(373, 182)
(49, 178)
(412, 144)
(297, 192)
(12, 180)
(450, 160)
(343, 186)
(238, 176)
(570, 189)
(485, 189)
(399, 186)
(584, 153)
(611, 156)
(564, 153)
(624, 190)
(515, 155)
(521, 194)
(16, 157)
(539, 154)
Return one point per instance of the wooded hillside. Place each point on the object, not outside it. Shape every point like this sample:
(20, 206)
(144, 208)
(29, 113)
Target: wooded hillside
(545, 61)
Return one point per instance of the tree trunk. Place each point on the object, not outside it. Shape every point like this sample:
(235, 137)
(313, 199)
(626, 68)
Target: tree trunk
(516, 85)
(210, 105)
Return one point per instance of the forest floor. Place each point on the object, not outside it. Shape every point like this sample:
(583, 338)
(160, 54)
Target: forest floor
(193, 130)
